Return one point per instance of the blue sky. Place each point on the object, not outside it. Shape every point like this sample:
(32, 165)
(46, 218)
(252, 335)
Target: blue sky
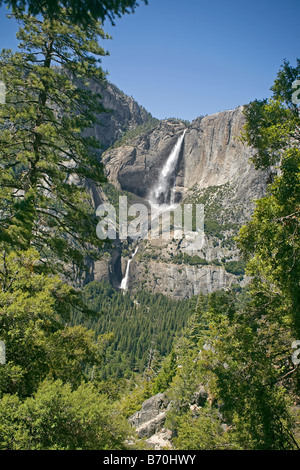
(186, 58)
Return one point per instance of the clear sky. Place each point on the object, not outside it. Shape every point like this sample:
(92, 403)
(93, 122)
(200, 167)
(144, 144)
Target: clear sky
(186, 58)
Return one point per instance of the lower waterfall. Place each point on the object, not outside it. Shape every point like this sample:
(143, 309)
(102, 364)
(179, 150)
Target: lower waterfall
(124, 283)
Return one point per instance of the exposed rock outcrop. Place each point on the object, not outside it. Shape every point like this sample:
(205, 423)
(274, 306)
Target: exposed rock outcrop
(151, 417)
(149, 422)
(178, 281)
(213, 169)
(136, 166)
(211, 155)
(124, 114)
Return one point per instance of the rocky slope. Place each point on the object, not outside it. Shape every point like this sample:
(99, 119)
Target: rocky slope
(211, 155)
(149, 423)
(213, 168)
(124, 114)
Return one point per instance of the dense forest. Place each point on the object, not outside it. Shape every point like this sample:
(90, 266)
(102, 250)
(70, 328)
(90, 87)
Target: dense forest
(142, 325)
(79, 362)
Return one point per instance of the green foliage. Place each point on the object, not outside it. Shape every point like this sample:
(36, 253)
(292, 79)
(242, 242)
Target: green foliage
(151, 124)
(185, 258)
(34, 309)
(202, 430)
(271, 240)
(235, 267)
(47, 399)
(227, 368)
(44, 156)
(272, 125)
(136, 321)
(241, 352)
(250, 350)
(214, 228)
(168, 371)
(81, 11)
(59, 418)
(133, 400)
(238, 358)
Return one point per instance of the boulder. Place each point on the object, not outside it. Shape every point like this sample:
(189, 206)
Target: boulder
(151, 417)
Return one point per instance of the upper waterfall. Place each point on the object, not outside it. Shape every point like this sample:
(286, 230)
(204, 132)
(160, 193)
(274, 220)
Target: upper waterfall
(163, 193)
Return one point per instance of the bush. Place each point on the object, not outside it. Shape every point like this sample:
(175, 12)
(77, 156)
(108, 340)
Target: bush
(235, 267)
(57, 418)
(201, 431)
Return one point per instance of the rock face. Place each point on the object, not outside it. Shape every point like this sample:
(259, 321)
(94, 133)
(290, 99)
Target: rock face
(213, 169)
(149, 421)
(213, 156)
(135, 167)
(210, 156)
(124, 114)
(178, 281)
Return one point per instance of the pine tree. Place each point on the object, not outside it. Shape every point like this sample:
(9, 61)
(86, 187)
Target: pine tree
(35, 312)
(44, 157)
(80, 11)
(271, 240)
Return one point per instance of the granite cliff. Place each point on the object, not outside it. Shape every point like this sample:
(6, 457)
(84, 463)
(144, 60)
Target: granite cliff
(123, 114)
(213, 168)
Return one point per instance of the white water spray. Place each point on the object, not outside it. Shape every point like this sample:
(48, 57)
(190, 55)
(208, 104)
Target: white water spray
(164, 192)
(124, 283)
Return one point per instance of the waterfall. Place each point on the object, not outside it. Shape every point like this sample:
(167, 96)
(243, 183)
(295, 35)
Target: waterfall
(164, 192)
(124, 282)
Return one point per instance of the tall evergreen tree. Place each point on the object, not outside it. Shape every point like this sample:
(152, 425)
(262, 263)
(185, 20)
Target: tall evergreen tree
(271, 240)
(44, 156)
(34, 315)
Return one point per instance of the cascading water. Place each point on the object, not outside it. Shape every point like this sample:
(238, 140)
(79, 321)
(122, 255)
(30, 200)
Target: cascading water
(124, 283)
(163, 194)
